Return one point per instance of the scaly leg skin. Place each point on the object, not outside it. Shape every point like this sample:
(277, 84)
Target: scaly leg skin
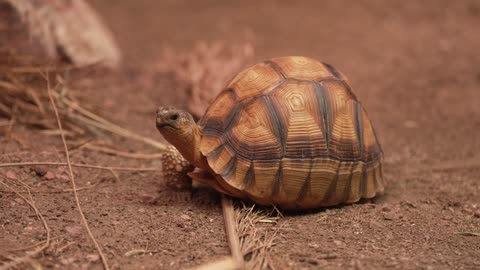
(178, 183)
(175, 170)
(186, 181)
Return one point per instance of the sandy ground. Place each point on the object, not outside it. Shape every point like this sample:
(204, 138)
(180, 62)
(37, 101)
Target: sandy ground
(413, 64)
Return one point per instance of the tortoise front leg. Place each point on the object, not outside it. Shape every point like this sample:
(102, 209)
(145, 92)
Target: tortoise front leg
(205, 178)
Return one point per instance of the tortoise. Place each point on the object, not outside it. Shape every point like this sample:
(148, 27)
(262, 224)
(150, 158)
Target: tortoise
(288, 132)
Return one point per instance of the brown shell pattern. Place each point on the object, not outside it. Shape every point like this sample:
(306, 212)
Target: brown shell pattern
(290, 132)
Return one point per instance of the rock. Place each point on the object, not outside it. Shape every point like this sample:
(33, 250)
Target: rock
(477, 214)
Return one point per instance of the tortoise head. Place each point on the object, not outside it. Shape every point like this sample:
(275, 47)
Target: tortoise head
(172, 122)
(179, 128)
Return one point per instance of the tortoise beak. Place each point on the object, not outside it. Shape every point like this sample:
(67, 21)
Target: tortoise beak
(166, 117)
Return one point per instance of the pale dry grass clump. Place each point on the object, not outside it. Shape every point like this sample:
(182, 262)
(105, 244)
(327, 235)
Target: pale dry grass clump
(25, 101)
(255, 243)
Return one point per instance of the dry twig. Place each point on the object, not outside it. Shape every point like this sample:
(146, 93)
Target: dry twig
(121, 153)
(468, 233)
(33, 163)
(231, 229)
(146, 251)
(222, 264)
(71, 176)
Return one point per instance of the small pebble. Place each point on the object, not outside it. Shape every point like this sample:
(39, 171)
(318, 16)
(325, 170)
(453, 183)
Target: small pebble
(11, 175)
(338, 243)
(389, 216)
(19, 200)
(93, 257)
(328, 256)
(185, 217)
(386, 208)
(146, 198)
(74, 230)
(49, 175)
(410, 124)
(477, 214)
(39, 170)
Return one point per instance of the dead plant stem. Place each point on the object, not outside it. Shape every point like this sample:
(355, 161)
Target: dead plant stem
(231, 229)
(72, 179)
(47, 163)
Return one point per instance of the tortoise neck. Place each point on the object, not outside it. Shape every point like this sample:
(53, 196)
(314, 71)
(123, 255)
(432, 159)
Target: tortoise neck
(198, 159)
(188, 144)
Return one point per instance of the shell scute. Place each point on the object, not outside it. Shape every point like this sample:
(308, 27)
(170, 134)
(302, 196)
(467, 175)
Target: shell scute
(303, 68)
(254, 80)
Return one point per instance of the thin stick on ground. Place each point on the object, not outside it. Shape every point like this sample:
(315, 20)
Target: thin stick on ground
(231, 229)
(98, 167)
(121, 153)
(71, 176)
(27, 258)
(92, 119)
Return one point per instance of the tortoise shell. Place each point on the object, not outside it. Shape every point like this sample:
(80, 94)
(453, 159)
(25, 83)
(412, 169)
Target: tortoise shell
(289, 131)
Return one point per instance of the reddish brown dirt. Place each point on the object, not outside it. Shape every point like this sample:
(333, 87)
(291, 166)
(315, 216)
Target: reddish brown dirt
(413, 64)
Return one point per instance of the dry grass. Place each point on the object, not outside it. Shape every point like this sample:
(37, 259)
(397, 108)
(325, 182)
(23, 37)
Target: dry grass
(25, 101)
(256, 244)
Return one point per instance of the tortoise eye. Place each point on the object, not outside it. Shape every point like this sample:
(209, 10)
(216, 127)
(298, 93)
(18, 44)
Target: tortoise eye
(174, 116)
